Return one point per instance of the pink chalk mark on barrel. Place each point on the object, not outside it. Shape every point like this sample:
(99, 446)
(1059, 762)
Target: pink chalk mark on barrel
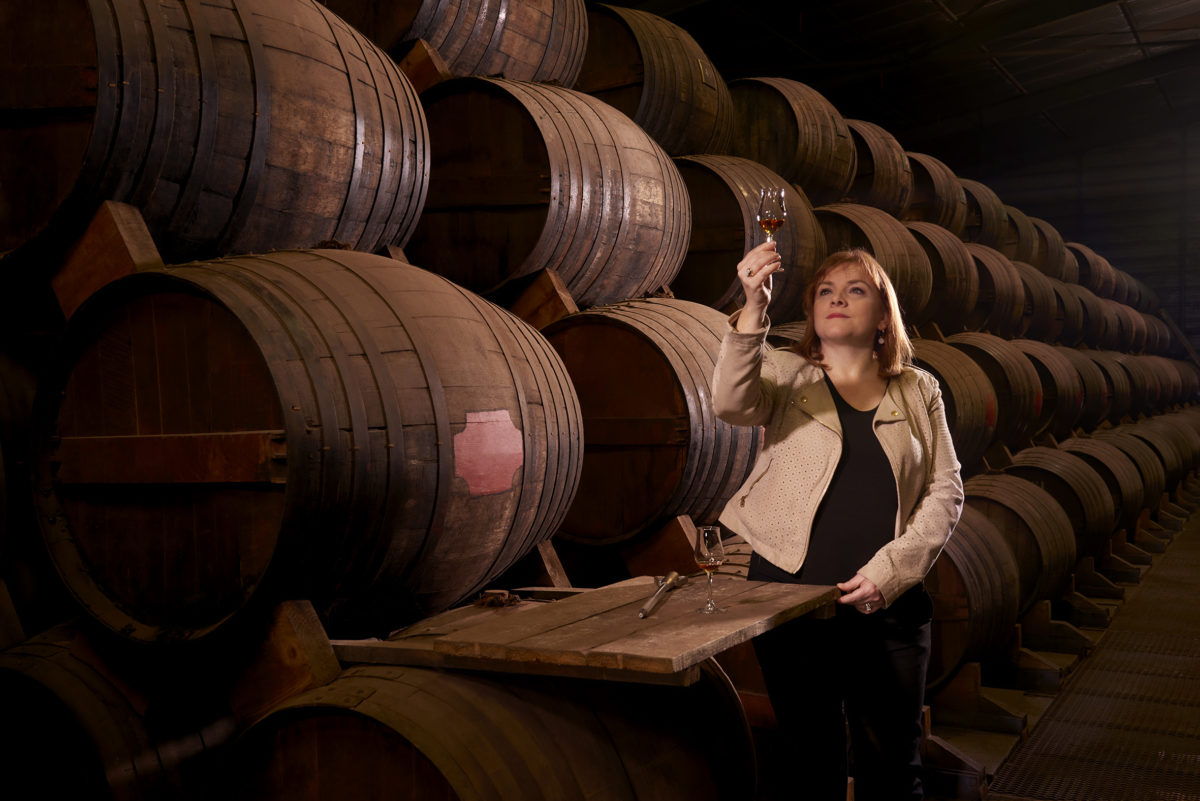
(488, 452)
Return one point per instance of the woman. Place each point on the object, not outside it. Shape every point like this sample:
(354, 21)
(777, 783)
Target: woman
(857, 486)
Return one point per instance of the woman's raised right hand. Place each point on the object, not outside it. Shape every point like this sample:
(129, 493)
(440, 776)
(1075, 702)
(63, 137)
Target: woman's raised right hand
(754, 271)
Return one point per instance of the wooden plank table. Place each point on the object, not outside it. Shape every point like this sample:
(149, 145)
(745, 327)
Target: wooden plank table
(597, 633)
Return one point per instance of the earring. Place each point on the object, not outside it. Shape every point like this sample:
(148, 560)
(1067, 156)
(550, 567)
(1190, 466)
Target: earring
(879, 339)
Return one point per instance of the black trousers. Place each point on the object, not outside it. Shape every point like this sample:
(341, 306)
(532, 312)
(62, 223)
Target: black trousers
(847, 693)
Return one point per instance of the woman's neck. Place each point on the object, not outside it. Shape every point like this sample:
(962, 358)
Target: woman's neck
(849, 362)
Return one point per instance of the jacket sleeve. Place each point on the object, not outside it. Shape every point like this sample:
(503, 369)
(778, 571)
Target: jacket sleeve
(905, 560)
(742, 395)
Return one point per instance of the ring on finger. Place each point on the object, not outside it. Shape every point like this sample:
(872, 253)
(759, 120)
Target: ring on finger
(867, 606)
(749, 272)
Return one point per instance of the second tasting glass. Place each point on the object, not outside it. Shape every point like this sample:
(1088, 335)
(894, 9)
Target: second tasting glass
(710, 554)
(772, 211)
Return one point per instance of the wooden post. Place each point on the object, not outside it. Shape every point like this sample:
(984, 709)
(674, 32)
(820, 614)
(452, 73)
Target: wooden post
(423, 65)
(294, 656)
(116, 243)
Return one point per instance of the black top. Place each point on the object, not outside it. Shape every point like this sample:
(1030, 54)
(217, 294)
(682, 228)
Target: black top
(857, 516)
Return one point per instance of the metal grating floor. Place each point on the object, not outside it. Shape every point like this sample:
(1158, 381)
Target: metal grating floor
(1127, 726)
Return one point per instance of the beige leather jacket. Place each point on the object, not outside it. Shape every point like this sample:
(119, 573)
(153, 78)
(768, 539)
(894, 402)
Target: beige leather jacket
(774, 508)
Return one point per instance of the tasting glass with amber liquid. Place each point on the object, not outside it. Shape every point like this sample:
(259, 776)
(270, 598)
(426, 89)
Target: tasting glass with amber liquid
(710, 554)
(772, 211)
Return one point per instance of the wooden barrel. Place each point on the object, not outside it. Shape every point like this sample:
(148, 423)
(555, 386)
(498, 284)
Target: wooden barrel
(1158, 335)
(974, 585)
(1131, 327)
(73, 729)
(1070, 266)
(1166, 448)
(1115, 333)
(1040, 306)
(1147, 299)
(1095, 321)
(1149, 466)
(849, 225)
(1095, 272)
(1097, 392)
(1014, 380)
(1079, 489)
(785, 335)
(1119, 473)
(1117, 377)
(1170, 379)
(1145, 388)
(260, 125)
(1181, 430)
(328, 425)
(659, 451)
(970, 400)
(724, 197)
(1189, 376)
(1050, 250)
(1001, 301)
(429, 734)
(937, 195)
(654, 72)
(883, 177)
(531, 40)
(987, 221)
(795, 131)
(1128, 291)
(1062, 387)
(1035, 527)
(1020, 241)
(531, 176)
(955, 289)
(1067, 327)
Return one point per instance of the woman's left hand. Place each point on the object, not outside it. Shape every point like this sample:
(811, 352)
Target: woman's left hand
(862, 594)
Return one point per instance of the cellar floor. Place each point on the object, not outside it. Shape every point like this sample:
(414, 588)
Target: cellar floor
(1126, 726)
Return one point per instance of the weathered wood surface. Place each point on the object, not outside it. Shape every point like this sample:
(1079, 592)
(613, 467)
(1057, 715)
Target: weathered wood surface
(597, 633)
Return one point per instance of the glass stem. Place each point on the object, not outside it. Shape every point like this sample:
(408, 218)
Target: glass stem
(710, 600)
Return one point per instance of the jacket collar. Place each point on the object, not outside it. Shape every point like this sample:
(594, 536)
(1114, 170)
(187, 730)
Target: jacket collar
(812, 395)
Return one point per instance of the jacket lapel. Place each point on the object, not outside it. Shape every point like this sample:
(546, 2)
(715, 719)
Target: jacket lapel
(892, 409)
(814, 399)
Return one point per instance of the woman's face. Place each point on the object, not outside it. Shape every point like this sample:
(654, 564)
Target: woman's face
(848, 308)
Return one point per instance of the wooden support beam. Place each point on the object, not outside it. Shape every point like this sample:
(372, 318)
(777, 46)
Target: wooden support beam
(1043, 633)
(543, 300)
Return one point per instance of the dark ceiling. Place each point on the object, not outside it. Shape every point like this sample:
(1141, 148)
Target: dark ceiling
(985, 85)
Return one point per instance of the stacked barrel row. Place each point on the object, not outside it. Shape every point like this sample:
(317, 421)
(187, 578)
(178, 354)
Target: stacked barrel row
(345, 428)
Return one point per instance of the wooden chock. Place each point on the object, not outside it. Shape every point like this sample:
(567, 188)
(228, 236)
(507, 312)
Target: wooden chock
(544, 300)
(1098, 583)
(393, 252)
(116, 243)
(422, 64)
(948, 771)
(1119, 545)
(294, 656)
(964, 701)
(1043, 633)
(669, 548)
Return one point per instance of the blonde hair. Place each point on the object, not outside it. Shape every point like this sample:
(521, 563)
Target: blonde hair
(896, 352)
